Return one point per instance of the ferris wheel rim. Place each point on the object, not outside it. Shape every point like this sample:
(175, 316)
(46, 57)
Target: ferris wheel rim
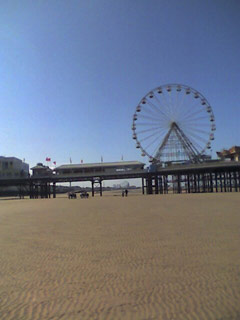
(178, 87)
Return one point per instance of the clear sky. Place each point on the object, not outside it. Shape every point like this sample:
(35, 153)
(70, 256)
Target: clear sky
(72, 72)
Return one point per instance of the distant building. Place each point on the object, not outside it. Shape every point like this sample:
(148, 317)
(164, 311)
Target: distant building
(232, 154)
(123, 185)
(41, 171)
(11, 167)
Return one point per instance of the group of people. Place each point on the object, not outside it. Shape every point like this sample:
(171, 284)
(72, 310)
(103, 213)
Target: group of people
(125, 193)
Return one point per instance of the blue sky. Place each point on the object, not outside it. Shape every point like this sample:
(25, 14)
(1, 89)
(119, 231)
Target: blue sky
(72, 72)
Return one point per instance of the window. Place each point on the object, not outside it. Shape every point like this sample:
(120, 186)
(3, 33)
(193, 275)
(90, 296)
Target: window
(66, 171)
(78, 171)
(5, 165)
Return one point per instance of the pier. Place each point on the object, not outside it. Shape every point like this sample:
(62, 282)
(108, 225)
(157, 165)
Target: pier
(185, 178)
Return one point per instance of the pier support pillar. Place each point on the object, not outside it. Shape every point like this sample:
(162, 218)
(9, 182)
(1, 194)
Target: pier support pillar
(143, 186)
(216, 181)
(92, 188)
(211, 182)
(149, 185)
(100, 183)
(195, 183)
(235, 181)
(179, 183)
(30, 191)
(224, 182)
(221, 185)
(165, 184)
(54, 189)
(156, 184)
(188, 184)
(230, 181)
(160, 185)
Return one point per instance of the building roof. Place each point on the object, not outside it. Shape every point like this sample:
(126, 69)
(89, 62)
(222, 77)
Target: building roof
(229, 152)
(100, 164)
(235, 149)
(9, 158)
(40, 167)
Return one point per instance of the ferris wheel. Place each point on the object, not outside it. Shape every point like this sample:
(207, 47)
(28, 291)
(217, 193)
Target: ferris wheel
(173, 122)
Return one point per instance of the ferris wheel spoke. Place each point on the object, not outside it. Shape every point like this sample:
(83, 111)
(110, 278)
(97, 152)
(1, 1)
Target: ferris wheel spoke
(147, 130)
(195, 124)
(176, 104)
(146, 124)
(142, 138)
(168, 103)
(173, 103)
(141, 116)
(150, 118)
(162, 106)
(165, 104)
(188, 110)
(156, 149)
(192, 114)
(152, 108)
(204, 135)
(194, 142)
(193, 137)
(151, 143)
(194, 129)
(149, 110)
(157, 109)
(197, 137)
(197, 119)
(147, 116)
(180, 105)
(151, 135)
(197, 145)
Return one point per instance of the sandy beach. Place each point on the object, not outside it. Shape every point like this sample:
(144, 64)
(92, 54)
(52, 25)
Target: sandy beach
(140, 257)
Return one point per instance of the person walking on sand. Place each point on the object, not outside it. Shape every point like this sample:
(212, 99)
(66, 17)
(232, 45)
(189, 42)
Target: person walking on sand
(126, 192)
(122, 193)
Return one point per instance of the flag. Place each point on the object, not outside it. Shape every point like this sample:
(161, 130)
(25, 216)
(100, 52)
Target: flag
(48, 159)
(101, 159)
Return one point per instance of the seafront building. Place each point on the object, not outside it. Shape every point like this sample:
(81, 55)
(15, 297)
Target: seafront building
(102, 168)
(11, 167)
(232, 154)
(87, 169)
(41, 170)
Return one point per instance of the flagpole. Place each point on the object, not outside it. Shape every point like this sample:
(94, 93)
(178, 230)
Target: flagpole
(70, 184)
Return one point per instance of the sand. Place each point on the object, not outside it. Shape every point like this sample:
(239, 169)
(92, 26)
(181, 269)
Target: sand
(141, 257)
